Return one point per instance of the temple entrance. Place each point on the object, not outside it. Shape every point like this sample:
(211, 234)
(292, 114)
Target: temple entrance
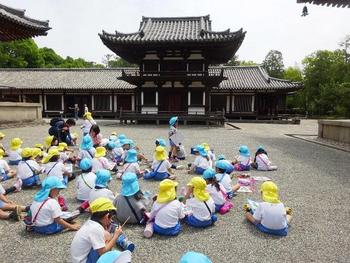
(124, 102)
(266, 104)
(172, 100)
(218, 102)
(70, 100)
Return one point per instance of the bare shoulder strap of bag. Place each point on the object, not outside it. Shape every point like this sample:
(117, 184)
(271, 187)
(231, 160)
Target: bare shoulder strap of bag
(37, 213)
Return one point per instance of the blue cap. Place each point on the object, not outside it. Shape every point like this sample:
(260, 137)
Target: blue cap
(173, 120)
(111, 144)
(244, 150)
(131, 156)
(222, 164)
(208, 173)
(121, 136)
(50, 182)
(194, 257)
(115, 256)
(85, 164)
(260, 148)
(161, 142)
(87, 143)
(221, 157)
(201, 150)
(103, 177)
(130, 185)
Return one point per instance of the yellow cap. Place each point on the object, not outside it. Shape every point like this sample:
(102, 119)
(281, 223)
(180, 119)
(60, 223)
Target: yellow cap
(100, 151)
(62, 146)
(101, 204)
(48, 140)
(114, 133)
(199, 188)
(15, 143)
(2, 153)
(27, 152)
(52, 152)
(206, 146)
(161, 153)
(269, 192)
(87, 115)
(74, 135)
(167, 191)
(2, 135)
(36, 152)
(39, 146)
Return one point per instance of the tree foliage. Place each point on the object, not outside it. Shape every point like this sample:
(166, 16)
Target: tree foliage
(113, 61)
(273, 64)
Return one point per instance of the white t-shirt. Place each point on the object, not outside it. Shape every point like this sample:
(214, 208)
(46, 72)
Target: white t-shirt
(49, 211)
(163, 167)
(169, 215)
(87, 154)
(131, 167)
(263, 162)
(101, 163)
(225, 181)
(55, 169)
(118, 151)
(85, 183)
(245, 160)
(23, 170)
(4, 167)
(87, 125)
(64, 156)
(199, 209)
(202, 162)
(2, 190)
(97, 193)
(211, 155)
(218, 196)
(89, 236)
(15, 155)
(271, 216)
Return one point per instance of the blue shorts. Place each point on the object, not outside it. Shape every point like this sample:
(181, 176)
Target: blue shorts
(31, 181)
(218, 207)
(172, 231)
(93, 256)
(14, 162)
(199, 170)
(156, 176)
(2, 204)
(276, 232)
(192, 221)
(4, 177)
(49, 229)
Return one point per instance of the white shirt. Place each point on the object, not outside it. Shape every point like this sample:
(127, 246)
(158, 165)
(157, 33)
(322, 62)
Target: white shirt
(89, 236)
(2, 190)
(15, 155)
(169, 215)
(101, 163)
(85, 183)
(87, 154)
(271, 216)
(57, 169)
(211, 155)
(202, 162)
(199, 209)
(163, 168)
(47, 214)
(225, 181)
(97, 193)
(118, 151)
(4, 167)
(23, 170)
(131, 167)
(263, 162)
(245, 160)
(87, 125)
(218, 196)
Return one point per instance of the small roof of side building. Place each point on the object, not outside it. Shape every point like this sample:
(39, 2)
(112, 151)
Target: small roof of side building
(185, 32)
(337, 3)
(15, 25)
(63, 79)
(254, 78)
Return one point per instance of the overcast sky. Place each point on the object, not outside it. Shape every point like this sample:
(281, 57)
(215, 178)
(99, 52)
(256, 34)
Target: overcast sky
(270, 24)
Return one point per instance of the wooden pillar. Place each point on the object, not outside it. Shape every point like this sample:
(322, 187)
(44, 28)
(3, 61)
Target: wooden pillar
(92, 103)
(253, 103)
(62, 103)
(233, 103)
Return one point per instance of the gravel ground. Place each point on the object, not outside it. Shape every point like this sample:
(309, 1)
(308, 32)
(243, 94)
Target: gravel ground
(314, 180)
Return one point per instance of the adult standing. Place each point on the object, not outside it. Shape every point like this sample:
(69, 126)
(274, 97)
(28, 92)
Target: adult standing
(86, 109)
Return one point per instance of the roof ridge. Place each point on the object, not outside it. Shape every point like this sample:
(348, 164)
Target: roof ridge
(166, 18)
(67, 69)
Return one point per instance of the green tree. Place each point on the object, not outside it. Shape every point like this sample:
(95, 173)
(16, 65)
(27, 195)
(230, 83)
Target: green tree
(247, 63)
(51, 59)
(295, 101)
(273, 64)
(120, 63)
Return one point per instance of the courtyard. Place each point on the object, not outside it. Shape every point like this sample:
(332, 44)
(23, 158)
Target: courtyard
(313, 180)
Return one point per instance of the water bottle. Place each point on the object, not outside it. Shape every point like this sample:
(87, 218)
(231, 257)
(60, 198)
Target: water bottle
(125, 244)
(147, 195)
(113, 226)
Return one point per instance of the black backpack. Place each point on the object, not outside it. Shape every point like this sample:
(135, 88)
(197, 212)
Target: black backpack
(55, 120)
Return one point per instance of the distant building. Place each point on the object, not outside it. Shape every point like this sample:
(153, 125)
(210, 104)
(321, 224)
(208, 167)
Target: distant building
(337, 3)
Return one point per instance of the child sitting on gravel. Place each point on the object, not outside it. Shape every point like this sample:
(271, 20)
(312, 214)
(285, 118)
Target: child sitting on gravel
(5, 171)
(14, 154)
(100, 161)
(7, 205)
(200, 203)
(270, 216)
(50, 141)
(28, 170)
(86, 181)
(224, 179)
(215, 189)
(130, 164)
(161, 167)
(261, 161)
(230, 168)
(242, 162)
(202, 161)
(103, 178)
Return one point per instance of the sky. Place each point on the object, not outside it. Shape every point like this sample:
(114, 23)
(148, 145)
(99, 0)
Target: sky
(270, 24)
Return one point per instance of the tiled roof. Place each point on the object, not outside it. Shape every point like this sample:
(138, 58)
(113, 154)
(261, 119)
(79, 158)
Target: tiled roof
(254, 78)
(15, 25)
(77, 79)
(173, 29)
(337, 3)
